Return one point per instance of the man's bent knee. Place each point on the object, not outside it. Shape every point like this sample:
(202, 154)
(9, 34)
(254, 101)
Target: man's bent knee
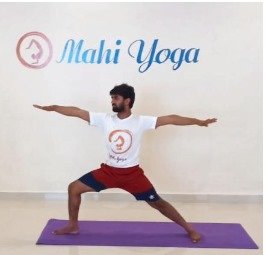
(159, 204)
(77, 187)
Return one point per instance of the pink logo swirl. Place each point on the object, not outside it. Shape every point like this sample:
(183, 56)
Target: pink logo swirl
(34, 50)
(120, 141)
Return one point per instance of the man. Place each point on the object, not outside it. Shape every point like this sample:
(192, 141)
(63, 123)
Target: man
(123, 132)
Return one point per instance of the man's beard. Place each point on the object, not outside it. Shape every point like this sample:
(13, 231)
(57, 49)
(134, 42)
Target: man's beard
(116, 108)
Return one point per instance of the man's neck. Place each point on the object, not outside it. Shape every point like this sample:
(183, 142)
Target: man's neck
(124, 114)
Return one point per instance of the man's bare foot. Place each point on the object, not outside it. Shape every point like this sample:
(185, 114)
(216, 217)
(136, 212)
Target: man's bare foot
(195, 236)
(69, 229)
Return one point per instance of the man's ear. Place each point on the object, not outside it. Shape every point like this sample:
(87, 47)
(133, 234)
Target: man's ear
(127, 101)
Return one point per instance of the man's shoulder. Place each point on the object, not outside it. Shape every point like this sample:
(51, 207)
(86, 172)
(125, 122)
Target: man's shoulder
(101, 114)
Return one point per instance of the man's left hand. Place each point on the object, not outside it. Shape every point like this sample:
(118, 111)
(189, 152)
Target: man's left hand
(205, 123)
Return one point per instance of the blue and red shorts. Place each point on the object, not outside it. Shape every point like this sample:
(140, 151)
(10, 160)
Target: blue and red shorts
(130, 179)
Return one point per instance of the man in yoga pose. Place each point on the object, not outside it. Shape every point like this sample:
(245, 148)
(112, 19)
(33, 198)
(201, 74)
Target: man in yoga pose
(123, 131)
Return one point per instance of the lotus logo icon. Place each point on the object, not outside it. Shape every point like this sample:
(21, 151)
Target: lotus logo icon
(34, 50)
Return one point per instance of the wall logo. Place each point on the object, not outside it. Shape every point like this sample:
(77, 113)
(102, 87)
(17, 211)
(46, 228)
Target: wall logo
(34, 50)
(120, 141)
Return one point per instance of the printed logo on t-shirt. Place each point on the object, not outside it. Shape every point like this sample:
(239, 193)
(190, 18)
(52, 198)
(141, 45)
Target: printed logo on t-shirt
(120, 141)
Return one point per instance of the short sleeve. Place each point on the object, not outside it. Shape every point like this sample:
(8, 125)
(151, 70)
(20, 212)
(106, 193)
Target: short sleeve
(97, 119)
(148, 122)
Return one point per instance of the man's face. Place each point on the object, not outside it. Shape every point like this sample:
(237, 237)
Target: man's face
(117, 102)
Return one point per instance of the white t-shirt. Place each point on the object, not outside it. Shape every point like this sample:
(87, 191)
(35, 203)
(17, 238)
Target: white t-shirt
(122, 136)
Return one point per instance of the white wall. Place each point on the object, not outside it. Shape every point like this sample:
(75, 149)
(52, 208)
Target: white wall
(43, 151)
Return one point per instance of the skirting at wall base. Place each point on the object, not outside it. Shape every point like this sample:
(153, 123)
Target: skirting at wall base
(184, 198)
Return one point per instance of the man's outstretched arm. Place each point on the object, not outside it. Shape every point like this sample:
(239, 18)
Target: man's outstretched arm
(66, 110)
(182, 121)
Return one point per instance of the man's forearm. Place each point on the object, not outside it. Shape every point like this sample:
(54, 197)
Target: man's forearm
(183, 121)
(66, 110)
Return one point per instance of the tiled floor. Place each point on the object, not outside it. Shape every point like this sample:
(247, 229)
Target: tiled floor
(22, 220)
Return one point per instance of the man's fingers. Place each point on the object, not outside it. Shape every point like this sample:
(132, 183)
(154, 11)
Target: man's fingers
(40, 107)
(208, 121)
(211, 120)
(45, 108)
(37, 106)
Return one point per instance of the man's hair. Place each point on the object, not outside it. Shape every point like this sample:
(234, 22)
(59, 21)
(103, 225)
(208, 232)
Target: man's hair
(125, 91)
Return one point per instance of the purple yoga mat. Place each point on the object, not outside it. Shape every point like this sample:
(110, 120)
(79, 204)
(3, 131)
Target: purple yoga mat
(148, 234)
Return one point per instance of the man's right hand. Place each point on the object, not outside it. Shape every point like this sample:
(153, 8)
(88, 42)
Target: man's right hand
(45, 108)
